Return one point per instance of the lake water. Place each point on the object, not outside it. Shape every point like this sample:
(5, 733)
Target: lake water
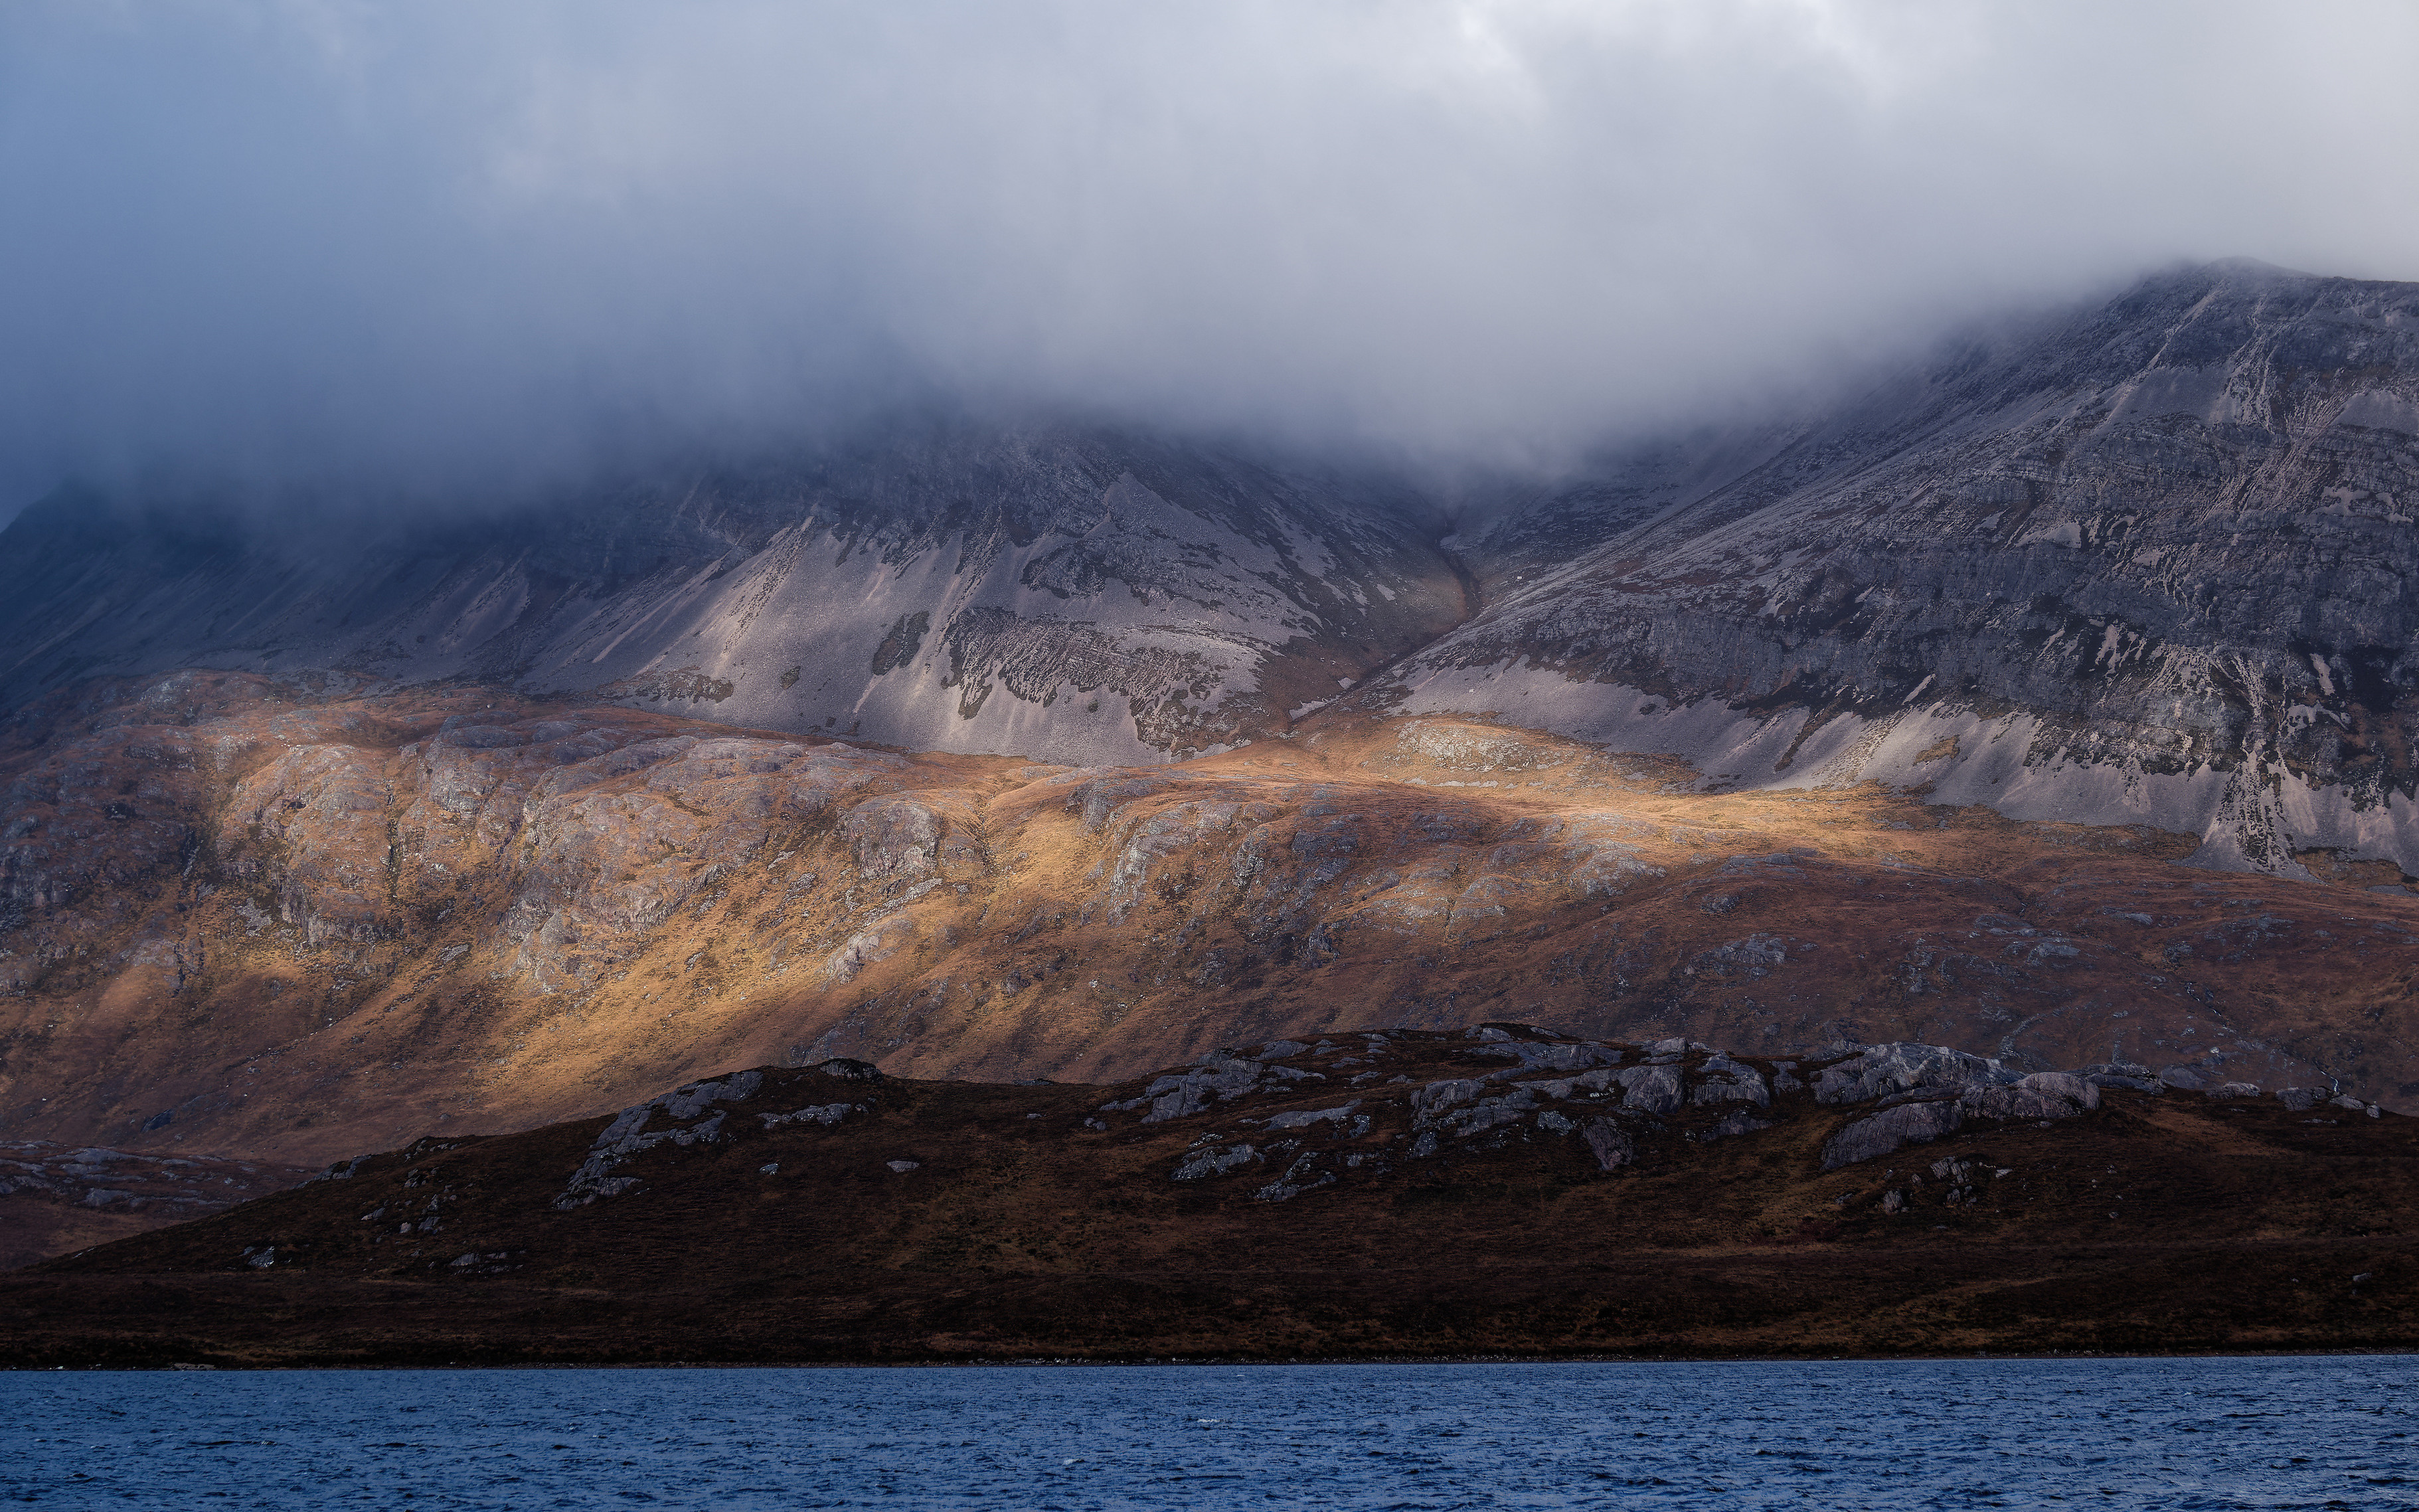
(2313, 1432)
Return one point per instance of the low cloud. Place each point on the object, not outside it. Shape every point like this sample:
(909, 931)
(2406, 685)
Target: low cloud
(301, 247)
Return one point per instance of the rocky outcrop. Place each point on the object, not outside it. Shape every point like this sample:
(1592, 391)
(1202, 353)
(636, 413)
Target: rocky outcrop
(693, 1114)
(1881, 1070)
(686, 1110)
(2144, 562)
(1920, 1093)
(1940, 1107)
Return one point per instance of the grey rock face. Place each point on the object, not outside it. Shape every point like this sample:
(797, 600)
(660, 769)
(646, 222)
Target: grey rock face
(1185, 1093)
(1431, 1101)
(2044, 1094)
(1910, 1124)
(825, 1114)
(1577, 1056)
(1214, 1162)
(1303, 1119)
(1883, 1069)
(1075, 594)
(1301, 1176)
(2047, 1094)
(2148, 563)
(1649, 1088)
(1725, 1080)
(1902, 1094)
(687, 1108)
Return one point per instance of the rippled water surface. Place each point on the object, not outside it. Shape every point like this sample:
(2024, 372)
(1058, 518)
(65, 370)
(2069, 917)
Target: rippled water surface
(2330, 1432)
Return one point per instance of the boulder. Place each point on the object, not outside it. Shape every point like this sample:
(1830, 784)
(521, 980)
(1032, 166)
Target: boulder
(2044, 1094)
(1213, 1161)
(1493, 1113)
(1181, 1094)
(1304, 1118)
(1610, 1144)
(1649, 1088)
(827, 1114)
(1880, 1069)
(629, 1134)
(1576, 1057)
(2127, 1075)
(1725, 1080)
(1299, 1178)
(1910, 1124)
(689, 1100)
(1431, 1102)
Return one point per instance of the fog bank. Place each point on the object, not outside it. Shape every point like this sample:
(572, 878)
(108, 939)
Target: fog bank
(448, 251)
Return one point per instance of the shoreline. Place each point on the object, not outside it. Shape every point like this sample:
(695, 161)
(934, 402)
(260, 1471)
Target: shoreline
(1064, 1362)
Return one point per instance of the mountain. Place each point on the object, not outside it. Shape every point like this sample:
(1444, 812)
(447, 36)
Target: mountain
(2150, 563)
(1892, 723)
(1371, 1194)
(252, 916)
(1073, 594)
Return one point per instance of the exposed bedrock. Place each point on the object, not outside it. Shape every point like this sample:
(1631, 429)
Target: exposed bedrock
(1054, 591)
(2152, 563)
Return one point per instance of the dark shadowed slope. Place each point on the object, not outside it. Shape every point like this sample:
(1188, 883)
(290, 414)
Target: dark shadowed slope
(1496, 1191)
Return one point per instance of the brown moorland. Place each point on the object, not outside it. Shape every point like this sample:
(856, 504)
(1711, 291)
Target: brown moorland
(1401, 1194)
(54, 1198)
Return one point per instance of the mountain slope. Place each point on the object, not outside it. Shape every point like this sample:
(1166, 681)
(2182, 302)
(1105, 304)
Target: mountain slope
(248, 916)
(1888, 725)
(1058, 593)
(2148, 564)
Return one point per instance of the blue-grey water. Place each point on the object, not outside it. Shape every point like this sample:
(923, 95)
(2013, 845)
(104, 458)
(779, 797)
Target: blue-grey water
(2312, 1433)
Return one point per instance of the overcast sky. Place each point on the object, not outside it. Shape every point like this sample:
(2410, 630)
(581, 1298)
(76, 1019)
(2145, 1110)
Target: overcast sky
(469, 248)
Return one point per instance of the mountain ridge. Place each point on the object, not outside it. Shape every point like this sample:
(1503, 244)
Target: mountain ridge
(1857, 741)
(2142, 564)
(1053, 592)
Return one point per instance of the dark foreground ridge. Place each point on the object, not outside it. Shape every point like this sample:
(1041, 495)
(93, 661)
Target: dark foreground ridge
(1504, 1190)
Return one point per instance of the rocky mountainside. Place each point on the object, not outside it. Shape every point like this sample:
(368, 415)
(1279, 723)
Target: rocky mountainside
(2149, 563)
(291, 921)
(1888, 725)
(54, 1198)
(1370, 1193)
(1056, 593)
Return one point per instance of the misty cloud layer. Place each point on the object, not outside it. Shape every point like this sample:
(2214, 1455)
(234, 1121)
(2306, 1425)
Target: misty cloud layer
(464, 249)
